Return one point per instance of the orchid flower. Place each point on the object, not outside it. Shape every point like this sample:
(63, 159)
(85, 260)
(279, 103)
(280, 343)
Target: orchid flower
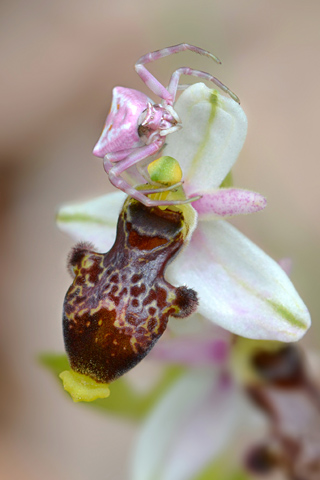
(209, 400)
(193, 423)
(240, 287)
(200, 419)
(201, 416)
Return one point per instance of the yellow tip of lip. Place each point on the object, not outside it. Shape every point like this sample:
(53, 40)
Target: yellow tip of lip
(83, 388)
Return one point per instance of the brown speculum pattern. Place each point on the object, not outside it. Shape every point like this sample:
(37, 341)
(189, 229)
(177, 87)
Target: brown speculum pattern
(119, 302)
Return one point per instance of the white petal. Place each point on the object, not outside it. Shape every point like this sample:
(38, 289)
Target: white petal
(213, 133)
(240, 287)
(93, 221)
(190, 427)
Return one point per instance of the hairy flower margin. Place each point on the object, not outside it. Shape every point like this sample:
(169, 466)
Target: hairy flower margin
(240, 287)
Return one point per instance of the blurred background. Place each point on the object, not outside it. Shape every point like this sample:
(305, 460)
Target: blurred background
(59, 61)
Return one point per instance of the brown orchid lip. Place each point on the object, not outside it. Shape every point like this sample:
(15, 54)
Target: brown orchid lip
(119, 303)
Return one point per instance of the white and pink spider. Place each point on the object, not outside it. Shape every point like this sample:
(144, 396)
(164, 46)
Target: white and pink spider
(136, 127)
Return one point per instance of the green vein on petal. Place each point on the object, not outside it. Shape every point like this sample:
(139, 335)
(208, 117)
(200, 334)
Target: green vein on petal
(279, 309)
(81, 218)
(282, 311)
(286, 314)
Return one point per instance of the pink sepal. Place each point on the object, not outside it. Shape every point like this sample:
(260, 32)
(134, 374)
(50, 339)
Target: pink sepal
(226, 202)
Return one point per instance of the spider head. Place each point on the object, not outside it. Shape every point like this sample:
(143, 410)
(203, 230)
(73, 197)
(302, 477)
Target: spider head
(158, 120)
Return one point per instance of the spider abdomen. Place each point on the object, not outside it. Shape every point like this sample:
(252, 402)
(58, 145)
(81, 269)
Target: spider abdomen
(120, 131)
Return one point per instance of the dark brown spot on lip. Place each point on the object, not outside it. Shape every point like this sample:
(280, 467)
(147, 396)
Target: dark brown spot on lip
(141, 331)
(152, 323)
(114, 278)
(161, 297)
(136, 278)
(136, 291)
(145, 243)
(132, 319)
(151, 296)
(115, 300)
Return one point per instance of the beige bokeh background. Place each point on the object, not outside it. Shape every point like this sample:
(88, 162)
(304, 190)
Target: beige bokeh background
(59, 61)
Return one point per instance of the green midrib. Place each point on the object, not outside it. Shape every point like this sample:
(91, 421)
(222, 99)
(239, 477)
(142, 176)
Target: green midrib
(83, 218)
(279, 309)
(285, 313)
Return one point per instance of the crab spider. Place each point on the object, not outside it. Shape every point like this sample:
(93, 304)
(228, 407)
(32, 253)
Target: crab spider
(136, 127)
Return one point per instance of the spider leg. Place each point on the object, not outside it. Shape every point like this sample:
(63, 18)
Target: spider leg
(148, 191)
(174, 81)
(142, 167)
(158, 203)
(151, 82)
(114, 171)
(184, 86)
(165, 52)
(134, 156)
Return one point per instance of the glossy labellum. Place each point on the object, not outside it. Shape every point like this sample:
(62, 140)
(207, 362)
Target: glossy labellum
(119, 303)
